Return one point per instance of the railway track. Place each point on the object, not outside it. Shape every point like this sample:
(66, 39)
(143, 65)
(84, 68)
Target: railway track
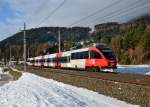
(143, 80)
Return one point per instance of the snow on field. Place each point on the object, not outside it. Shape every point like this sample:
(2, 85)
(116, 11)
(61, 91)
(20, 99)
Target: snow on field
(134, 69)
(33, 91)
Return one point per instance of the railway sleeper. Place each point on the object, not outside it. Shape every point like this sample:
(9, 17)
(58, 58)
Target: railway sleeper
(93, 69)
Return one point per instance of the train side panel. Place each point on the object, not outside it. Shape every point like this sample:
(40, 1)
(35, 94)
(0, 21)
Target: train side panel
(78, 58)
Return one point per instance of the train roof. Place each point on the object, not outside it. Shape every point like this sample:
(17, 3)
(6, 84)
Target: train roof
(78, 50)
(100, 46)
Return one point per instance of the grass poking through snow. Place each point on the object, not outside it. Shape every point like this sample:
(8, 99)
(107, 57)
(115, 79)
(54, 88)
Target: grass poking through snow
(15, 74)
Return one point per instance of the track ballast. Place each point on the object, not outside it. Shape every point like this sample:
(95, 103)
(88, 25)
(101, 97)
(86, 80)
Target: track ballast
(116, 77)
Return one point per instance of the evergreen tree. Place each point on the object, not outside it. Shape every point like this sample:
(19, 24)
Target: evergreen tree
(146, 44)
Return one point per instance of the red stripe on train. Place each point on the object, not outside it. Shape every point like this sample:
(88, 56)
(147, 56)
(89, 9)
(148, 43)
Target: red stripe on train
(57, 64)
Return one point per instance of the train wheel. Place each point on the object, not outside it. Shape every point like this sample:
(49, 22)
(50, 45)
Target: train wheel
(93, 69)
(98, 69)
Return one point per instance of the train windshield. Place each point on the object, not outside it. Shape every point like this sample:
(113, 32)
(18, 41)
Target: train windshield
(108, 53)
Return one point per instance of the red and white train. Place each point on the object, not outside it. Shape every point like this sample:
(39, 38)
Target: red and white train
(96, 57)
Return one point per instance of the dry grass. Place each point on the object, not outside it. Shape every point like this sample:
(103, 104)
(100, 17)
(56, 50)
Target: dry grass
(16, 75)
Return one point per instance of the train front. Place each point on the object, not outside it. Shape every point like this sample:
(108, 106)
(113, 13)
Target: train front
(108, 57)
(101, 58)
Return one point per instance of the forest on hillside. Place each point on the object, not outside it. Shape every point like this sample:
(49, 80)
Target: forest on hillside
(40, 40)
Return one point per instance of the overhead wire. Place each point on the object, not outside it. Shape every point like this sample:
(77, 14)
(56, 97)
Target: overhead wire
(51, 13)
(120, 11)
(36, 11)
(133, 10)
(96, 12)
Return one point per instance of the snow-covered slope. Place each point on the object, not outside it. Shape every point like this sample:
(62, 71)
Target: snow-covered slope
(34, 91)
(134, 69)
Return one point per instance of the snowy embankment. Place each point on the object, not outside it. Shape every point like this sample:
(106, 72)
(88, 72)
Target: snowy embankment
(134, 69)
(34, 91)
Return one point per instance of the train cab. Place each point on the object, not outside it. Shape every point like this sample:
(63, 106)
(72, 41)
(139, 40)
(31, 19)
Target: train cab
(101, 57)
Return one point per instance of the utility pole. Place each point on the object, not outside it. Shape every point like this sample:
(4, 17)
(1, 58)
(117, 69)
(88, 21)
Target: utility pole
(24, 53)
(28, 53)
(10, 54)
(59, 39)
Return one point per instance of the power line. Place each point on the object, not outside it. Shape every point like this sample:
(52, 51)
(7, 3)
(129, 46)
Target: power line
(36, 11)
(24, 45)
(133, 11)
(121, 11)
(98, 11)
(53, 12)
(49, 15)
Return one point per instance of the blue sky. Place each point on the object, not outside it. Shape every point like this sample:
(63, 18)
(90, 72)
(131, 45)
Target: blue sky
(13, 13)
(6, 12)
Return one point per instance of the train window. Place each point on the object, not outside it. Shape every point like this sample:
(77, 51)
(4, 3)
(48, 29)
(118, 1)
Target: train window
(62, 59)
(49, 60)
(36, 61)
(86, 55)
(31, 61)
(80, 55)
(109, 55)
(59, 59)
(42, 60)
(95, 54)
(102, 48)
(73, 56)
(55, 60)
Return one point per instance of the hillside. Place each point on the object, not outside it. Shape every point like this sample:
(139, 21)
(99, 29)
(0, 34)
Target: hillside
(39, 39)
(114, 28)
(48, 34)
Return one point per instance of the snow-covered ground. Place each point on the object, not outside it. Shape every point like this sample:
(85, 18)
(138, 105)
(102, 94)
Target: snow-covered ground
(33, 91)
(134, 69)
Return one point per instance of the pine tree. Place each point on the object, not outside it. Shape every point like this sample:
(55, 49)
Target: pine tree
(146, 44)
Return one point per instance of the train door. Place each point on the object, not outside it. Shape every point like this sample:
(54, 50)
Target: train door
(57, 61)
(42, 61)
(69, 61)
(33, 62)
